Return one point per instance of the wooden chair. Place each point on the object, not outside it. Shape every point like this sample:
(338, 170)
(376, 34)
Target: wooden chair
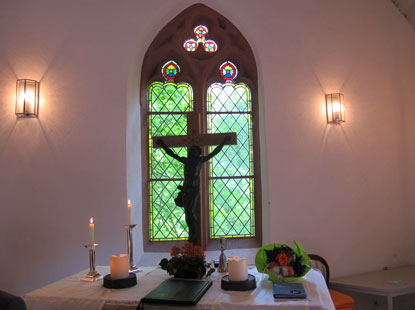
(341, 301)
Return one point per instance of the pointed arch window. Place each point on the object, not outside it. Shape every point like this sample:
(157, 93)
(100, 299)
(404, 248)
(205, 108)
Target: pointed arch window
(200, 62)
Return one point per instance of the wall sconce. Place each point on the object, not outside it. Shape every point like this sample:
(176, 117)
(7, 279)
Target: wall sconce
(335, 108)
(27, 97)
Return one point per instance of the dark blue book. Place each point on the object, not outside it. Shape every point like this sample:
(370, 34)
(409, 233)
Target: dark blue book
(289, 290)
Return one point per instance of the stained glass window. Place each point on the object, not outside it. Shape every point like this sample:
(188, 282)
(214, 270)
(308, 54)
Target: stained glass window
(190, 45)
(231, 175)
(170, 70)
(210, 46)
(200, 31)
(230, 184)
(168, 104)
(228, 71)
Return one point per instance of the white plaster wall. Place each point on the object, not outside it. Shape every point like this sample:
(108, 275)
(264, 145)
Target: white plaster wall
(342, 191)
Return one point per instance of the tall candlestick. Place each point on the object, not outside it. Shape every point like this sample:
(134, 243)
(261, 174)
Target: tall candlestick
(129, 213)
(92, 275)
(91, 231)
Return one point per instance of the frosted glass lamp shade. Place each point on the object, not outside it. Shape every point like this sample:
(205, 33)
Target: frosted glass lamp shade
(27, 97)
(335, 108)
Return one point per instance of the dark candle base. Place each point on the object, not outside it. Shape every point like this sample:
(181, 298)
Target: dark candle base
(246, 285)
(120, 283)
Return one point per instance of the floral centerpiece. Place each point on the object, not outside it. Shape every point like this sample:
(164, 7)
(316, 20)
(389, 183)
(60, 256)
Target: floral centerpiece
(187, 261)
(281, 262)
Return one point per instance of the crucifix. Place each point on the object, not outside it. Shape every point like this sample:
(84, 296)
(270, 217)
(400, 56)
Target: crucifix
(188, 197)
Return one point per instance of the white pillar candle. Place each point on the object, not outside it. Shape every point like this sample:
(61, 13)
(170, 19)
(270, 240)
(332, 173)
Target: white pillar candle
(237, 268)
(129, 213)
(91, 231)
(119, 267)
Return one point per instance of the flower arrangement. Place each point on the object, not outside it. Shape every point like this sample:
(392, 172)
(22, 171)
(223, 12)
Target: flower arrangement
(187, 261)
(281, 262)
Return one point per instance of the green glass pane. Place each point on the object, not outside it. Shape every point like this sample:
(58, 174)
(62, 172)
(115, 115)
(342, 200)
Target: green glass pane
(169, 97)
(235, 160)
(229, 97)
(167, 220)
(165, 167)
(231, 212)
(231, 171)
(168, 124)
(161, 165)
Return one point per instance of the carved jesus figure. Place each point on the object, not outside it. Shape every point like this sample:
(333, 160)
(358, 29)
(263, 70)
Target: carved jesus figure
(188, 196)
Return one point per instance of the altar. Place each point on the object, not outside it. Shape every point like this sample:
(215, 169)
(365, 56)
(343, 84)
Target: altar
(71, 293)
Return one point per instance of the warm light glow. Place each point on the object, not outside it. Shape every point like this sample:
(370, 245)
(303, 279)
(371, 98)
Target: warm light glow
(27, 97)
(91, 220)
(129, 202)
(335, 108)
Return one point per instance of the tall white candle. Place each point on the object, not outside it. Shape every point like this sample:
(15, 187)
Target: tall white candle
(91, 231)
(237, 268)
(129, 213)
(119, 266)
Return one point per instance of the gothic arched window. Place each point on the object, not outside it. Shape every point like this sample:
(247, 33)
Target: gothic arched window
(200, 63)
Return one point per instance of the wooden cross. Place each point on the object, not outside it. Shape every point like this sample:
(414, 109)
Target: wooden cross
(194, 135)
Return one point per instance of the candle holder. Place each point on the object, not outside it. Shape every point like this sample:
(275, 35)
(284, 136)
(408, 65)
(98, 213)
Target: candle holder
(92, 275)
(223, 267)
(247, 285)
(133, 268)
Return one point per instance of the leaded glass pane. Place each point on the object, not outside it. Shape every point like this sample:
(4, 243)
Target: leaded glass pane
(162, 165)
(167, 219)
(229, 98)
(236, 160)
(165, 167)
(231, 207)
(168, 124)
(170, 97)
(231, 171)
(168, 104)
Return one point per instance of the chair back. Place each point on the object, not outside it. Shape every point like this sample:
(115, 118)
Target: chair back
(319, 263)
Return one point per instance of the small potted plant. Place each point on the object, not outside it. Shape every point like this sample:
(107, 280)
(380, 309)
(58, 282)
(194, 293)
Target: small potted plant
(188, 262)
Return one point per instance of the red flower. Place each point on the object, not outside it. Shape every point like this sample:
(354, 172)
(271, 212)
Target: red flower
(197, 250)
(283, 259)
(175, 250)
(188, 250)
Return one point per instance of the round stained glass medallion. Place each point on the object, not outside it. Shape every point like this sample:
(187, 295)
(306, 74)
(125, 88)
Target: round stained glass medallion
(200, 31)
(190, 45)
(228, 71)
(170, 70)
(210, 46)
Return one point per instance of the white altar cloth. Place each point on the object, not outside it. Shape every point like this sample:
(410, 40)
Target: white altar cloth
(71, 293)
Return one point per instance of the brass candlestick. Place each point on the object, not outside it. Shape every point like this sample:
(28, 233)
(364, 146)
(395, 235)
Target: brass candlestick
(92, 275)
(133, 268)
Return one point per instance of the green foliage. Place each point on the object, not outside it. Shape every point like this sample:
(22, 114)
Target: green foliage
(194, 268)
